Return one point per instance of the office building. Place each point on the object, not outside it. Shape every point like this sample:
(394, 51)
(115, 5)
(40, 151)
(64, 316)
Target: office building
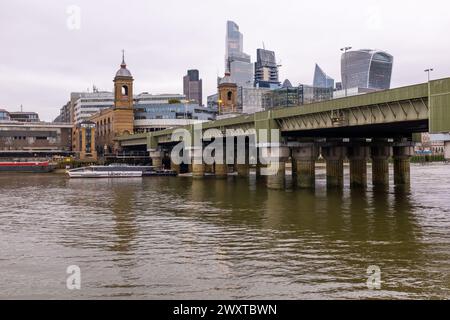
(22, 116)
(4, 115)
(19, 139)
(366, 68)
(321, 79)
(86, 104)
(212, 101)
(237, 63)
(159, 112)
(65, 114)
(266, 69)
(289, 96)
(192, 87)
(251, 100)
(84, 141)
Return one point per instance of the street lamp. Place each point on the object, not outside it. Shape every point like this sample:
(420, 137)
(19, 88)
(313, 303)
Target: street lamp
(345, 49)
(219, 103)
(429, 70)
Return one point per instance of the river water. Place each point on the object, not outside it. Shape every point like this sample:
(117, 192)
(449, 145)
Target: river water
(177, 238)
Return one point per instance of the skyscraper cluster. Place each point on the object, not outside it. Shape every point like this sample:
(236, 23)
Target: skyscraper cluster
(362, 71)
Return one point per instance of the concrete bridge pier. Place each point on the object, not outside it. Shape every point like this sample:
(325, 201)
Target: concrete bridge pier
(334, 157)
(304, 157)
(258, 170)
(221, 169)
(380, 164)
(198, 166)
(243, 170)
(358, 155)
(156, 155)
(275, 170)
(175, 167)
(209, 168)
(402, 157)
(242, 165)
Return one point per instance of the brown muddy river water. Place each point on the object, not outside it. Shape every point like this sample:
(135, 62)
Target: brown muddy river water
(176, 238)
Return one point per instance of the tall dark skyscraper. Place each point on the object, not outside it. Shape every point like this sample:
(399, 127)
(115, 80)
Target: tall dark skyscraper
(321, 80)
(192, 86)
(266, 69)
(366, 68)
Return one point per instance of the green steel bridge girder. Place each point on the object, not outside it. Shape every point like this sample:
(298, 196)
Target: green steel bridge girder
(395, 107)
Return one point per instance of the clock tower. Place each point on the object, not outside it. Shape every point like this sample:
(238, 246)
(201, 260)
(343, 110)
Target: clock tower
(123, 100)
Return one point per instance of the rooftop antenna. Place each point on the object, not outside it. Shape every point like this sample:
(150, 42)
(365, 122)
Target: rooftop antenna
(264, 47)
(21, 108)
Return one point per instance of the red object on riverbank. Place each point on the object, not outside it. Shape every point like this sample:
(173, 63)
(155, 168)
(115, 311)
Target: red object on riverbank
(35, 167)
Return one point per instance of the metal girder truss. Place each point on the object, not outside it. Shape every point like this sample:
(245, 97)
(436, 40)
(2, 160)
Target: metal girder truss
(397, 111)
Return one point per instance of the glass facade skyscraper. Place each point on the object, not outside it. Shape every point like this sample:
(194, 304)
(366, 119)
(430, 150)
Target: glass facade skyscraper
(237, 63)
(321, 80)
(266, 69)
(366, 68)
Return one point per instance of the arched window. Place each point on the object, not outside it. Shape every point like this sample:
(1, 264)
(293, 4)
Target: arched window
(124, 90)
(229, 95)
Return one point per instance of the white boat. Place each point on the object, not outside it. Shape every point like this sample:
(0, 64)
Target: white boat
(105, 172)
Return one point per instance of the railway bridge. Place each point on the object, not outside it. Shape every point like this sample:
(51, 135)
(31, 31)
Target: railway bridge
(377, 126)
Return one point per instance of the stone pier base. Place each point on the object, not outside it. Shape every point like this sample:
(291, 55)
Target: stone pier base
(380, 172)
(277, 181)
(175, 167)
(334, 156)
(198, 170)
(358, 155)
(335, 173)
(243, 170)
(402, 156)
(156, 156)
(306, 173)
(380, 164)
(275, 169)
(304, 157)
(221, 171)
(358, 173)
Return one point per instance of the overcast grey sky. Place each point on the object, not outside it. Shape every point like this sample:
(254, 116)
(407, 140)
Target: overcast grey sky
(42, 60)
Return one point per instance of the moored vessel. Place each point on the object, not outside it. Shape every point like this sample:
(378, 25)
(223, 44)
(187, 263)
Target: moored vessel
(111, 171)
(29, 167)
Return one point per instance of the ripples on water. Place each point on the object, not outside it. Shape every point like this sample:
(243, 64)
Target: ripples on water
(173, 238)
